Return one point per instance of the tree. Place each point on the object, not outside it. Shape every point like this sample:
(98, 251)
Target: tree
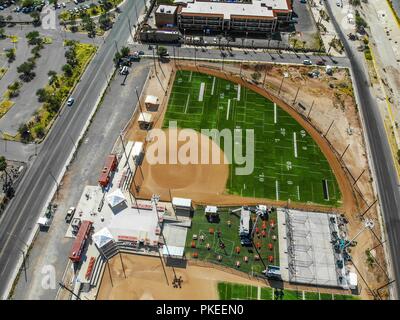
(33, 38)
(23, 130)
(13, 89)
(26, 70)
(2, 33)
(256, 76)
(3, 164)
(125, 52)
(36, 19)
(10, 54)
(67, 69)
(162, 51)
(42, 95)
(105, 21)
(53, 76)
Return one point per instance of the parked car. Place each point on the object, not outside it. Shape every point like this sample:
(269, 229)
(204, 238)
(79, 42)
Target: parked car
(307, 62)
(70, 214)
(320, 63)
(70, 102)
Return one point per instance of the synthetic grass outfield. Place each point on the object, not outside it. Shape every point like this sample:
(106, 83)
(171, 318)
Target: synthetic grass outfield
(288, 163)
(230, 237)
(235, 291)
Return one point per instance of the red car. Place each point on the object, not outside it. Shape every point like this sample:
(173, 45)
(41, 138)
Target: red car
(320, 63)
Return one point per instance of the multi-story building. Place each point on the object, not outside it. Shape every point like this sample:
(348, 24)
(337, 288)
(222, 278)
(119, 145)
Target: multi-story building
(256, 16)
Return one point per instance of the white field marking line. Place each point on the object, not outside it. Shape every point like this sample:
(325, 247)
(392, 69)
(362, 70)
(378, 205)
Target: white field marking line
(277, 189)
(327, 189)
(227, 111)
(298, 192)
(201, 93)
(295, 144)
(275, 114)
(212, 88)
(258, 293)
(190, 78)
(187, 102)
(238, 93)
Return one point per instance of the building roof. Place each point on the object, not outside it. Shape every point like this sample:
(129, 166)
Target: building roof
(165, 9)
(102, 237)
(151, 100)
(181, 202)
(115, 198)
(258, 8)
(145, 117)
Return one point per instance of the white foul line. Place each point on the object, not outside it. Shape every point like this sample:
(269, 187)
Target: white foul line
(187, 102)
(201, 93)
(212, 88)
(277, 189)
(238, 93)
(275, 113)
(295, 144)
(227, 112)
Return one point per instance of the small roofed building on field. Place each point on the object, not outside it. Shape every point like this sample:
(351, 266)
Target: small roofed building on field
(145, 120)
(152, 103)
(182, 206)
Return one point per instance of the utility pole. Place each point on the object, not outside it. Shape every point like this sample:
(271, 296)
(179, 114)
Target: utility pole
(359, 177)
(327, 131)
(69, 290)
(280, 87)
(362, 215)
(296, 95)
(309, 111)
(345, 150)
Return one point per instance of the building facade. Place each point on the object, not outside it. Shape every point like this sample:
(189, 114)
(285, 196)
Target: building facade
(258, 16)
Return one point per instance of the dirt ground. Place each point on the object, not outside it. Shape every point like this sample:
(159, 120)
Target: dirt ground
(184, 179)
(325, 107)
(141, 277)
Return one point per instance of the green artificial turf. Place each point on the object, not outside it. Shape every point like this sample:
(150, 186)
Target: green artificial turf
(288, 164)
(230, 237)
(235, 291)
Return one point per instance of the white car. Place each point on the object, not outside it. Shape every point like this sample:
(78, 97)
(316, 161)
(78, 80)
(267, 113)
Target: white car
(70, 102)
(307, 62)
(64, 5)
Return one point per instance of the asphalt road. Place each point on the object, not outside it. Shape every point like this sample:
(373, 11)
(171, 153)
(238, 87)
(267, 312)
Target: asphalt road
(273, 56)
(386, 181)
(20, 217)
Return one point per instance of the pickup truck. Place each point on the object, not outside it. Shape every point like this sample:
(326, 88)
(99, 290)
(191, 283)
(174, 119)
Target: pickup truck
(70, 214)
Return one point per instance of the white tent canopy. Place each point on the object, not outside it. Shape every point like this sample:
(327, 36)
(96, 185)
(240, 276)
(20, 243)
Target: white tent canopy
(115, 198)
(102, 237)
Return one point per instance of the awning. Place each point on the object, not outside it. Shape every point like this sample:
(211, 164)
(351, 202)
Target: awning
(115, 198)
(173, 251)
(151, 100)
(145, 117)
(102, 237)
